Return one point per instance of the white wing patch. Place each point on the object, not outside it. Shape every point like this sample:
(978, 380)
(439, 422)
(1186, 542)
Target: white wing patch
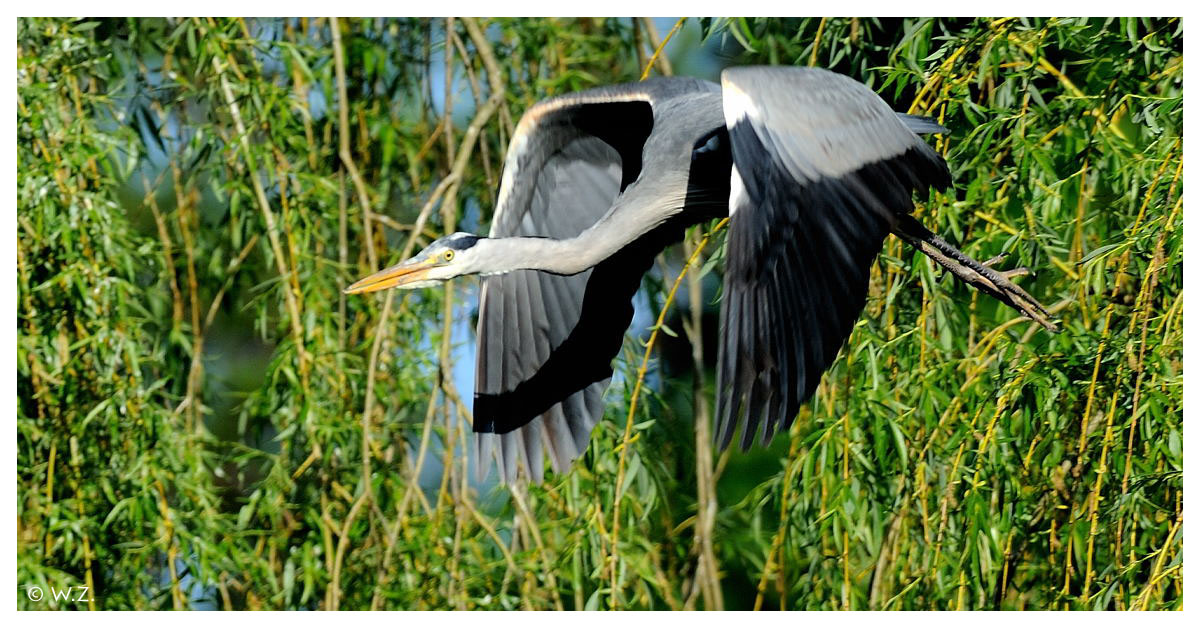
(737, 191)
(737, 104)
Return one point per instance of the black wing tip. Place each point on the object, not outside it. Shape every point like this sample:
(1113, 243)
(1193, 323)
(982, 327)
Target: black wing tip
(800, 256)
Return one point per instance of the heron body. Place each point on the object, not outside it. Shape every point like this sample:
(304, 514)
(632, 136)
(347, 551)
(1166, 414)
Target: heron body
(813, 169)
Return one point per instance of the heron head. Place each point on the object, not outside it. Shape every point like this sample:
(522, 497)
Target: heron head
(444, 259)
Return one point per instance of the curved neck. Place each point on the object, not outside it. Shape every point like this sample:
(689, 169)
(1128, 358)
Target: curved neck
(622, 225)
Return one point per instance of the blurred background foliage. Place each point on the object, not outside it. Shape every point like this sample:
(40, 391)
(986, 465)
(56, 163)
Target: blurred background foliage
(205, 421)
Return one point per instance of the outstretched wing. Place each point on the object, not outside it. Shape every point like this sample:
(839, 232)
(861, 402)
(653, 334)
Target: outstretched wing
(822, 167)
(543, 363)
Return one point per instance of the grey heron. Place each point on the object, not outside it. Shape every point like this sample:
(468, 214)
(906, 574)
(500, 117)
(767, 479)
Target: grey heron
(814, 170)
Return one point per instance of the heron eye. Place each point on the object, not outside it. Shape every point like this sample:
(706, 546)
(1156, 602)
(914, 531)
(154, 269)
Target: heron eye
(448, 255)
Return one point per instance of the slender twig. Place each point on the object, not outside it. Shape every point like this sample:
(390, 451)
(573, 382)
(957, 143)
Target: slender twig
(816, 45)
(347, 158)
(1144, 597)
(172, 546)
(707, 568)
(360, 186)
(658, 51)
(449, 219)
(164, 236)
(1109, 310)
(637, 389)
(532, 525)
(231, 274)
(290, 299)
(335, 586)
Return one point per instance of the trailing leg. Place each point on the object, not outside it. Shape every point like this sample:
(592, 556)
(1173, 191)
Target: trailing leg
(972, 272)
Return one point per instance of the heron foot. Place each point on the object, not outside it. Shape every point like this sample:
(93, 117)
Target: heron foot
(982, 276)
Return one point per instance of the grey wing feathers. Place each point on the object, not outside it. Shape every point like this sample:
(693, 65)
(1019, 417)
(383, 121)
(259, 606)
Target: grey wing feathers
(551, 124)
(544, 363)
(822, 167)
(557, 183)
(819, 123)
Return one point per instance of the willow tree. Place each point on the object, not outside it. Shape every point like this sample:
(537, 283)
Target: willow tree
(205, 421)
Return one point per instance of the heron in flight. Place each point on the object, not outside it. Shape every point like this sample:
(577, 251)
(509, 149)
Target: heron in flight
(813, 170)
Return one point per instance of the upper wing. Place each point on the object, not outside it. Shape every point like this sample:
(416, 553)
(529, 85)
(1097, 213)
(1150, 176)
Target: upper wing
(822, 167)
(543, 362)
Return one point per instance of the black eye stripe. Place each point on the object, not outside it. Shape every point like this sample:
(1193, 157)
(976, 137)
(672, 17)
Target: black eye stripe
(462, 242)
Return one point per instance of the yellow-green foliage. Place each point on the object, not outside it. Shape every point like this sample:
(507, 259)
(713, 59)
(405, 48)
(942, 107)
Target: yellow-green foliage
(205, 421)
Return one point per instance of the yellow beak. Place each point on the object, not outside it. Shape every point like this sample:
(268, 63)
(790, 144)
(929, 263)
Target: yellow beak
(398, 275)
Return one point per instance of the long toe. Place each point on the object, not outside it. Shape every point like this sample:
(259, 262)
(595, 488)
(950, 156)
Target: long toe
(1019, 271)
(1001, 281)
